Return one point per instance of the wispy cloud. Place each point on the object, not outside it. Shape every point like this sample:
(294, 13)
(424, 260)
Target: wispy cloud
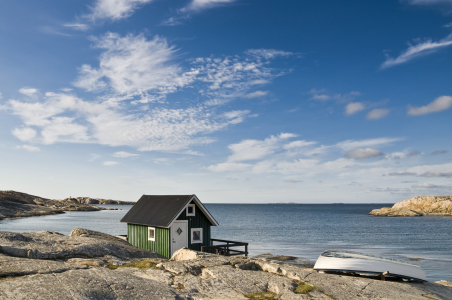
(377, 113)
(437, 174)
(134, 66)
(417, 50)
(352, 144)
(30, 92)
(324, 95)
(29, 148)
(198, 5)
(363, 153)
(256, 94)
(439, 104)
(439, 152)
(110, 163)
(257, 149)
(114, 9)
(124, 154)
(24, 134)
(77, 26)
(353, 108)
(229, 167)
(402, 174)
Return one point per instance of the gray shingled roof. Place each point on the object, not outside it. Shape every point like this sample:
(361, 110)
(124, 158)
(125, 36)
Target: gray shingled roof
(160, 210)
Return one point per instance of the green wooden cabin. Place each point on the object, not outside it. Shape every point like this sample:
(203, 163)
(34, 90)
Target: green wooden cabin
(167, 223)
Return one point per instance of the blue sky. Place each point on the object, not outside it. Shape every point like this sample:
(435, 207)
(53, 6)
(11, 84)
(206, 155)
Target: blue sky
(235, 101)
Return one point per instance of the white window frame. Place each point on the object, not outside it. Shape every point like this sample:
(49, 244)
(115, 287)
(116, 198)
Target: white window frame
(194, 210)
(201, 235)
(149, 229)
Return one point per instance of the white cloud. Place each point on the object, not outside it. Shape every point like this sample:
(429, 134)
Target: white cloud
(429, 186)
(110, 163)
(229, 167)
(256, 94)
(436, 174)
(268, 53)
(426, 169)
(134, 66)
(115, 9)
(66, 118)
(94, 157)
(24, 134)
(236, 116)
(30, 92)
(353, 108)
(351, 144)
(402, 174)
(197, 5)
(363, 153)
(323, 95)
(77, 26)
(257, 149)
(298, 144)
(439, 104)
(377, 113)
(414, 51)
(29, 148)
(124, 154)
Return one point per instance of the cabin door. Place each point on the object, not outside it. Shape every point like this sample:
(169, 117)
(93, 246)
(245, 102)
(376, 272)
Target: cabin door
(179, 235)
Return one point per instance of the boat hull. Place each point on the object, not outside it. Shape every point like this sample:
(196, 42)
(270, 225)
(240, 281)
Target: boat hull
(371, 265)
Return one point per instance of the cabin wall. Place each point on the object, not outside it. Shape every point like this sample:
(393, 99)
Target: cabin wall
(137, 235)
(198, 221)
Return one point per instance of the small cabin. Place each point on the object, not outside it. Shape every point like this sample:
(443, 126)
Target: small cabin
(167, 223)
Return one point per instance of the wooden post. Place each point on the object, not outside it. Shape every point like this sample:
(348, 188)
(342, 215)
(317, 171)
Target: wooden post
(383, 275)
(246, 250)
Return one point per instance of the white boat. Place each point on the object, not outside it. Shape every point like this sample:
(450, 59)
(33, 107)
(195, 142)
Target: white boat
(349, 261)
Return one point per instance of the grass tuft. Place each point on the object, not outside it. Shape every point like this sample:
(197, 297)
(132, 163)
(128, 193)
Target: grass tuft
(142, 264)
(262, 296)
(304, 288)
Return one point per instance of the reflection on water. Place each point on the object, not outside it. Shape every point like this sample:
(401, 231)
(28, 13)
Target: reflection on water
(297, 230)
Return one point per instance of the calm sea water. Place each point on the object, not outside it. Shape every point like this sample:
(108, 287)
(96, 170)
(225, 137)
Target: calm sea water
(299, 230)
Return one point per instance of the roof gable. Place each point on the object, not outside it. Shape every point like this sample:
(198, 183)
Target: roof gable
(162, 210)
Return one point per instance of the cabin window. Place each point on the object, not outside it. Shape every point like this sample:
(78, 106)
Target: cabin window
(151, 234)
(196, 235)
(190, 210)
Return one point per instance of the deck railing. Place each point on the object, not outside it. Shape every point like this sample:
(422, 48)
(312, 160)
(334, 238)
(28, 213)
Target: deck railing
(225, 249)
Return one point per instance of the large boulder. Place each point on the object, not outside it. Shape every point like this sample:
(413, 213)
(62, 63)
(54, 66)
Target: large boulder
(52, 245)
(417, 206)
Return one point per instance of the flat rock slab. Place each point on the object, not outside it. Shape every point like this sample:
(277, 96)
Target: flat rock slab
(247, 282)
(93, 284)
(52, 245)
(15, 266)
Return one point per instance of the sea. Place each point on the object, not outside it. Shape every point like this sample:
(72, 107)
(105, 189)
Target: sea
(300, 230)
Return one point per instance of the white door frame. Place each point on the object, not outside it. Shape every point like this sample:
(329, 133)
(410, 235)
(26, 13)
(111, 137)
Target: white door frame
(172, 232)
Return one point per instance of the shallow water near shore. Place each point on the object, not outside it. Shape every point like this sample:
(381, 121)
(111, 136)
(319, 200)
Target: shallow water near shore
(303, 230)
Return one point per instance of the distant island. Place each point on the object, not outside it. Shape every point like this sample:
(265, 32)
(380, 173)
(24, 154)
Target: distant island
(18, 205)
(418, 206)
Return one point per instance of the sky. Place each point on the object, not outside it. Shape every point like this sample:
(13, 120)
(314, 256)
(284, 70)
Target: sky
(236, 101)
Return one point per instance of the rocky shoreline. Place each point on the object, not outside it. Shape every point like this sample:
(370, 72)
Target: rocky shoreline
(417, 207)
(19, 205)
(93, 265)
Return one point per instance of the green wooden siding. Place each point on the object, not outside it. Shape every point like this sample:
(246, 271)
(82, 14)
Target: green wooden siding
(198, 221)
(137, 235)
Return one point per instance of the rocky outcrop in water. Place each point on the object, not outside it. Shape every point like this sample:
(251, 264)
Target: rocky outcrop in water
(93, 265)
(418, 206)
(88, 200)
(16, 205)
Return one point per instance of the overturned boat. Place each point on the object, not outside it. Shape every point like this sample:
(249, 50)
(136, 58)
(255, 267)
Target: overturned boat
(354, 262)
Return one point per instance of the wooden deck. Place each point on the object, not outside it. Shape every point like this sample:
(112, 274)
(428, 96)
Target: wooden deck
(225, 249)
